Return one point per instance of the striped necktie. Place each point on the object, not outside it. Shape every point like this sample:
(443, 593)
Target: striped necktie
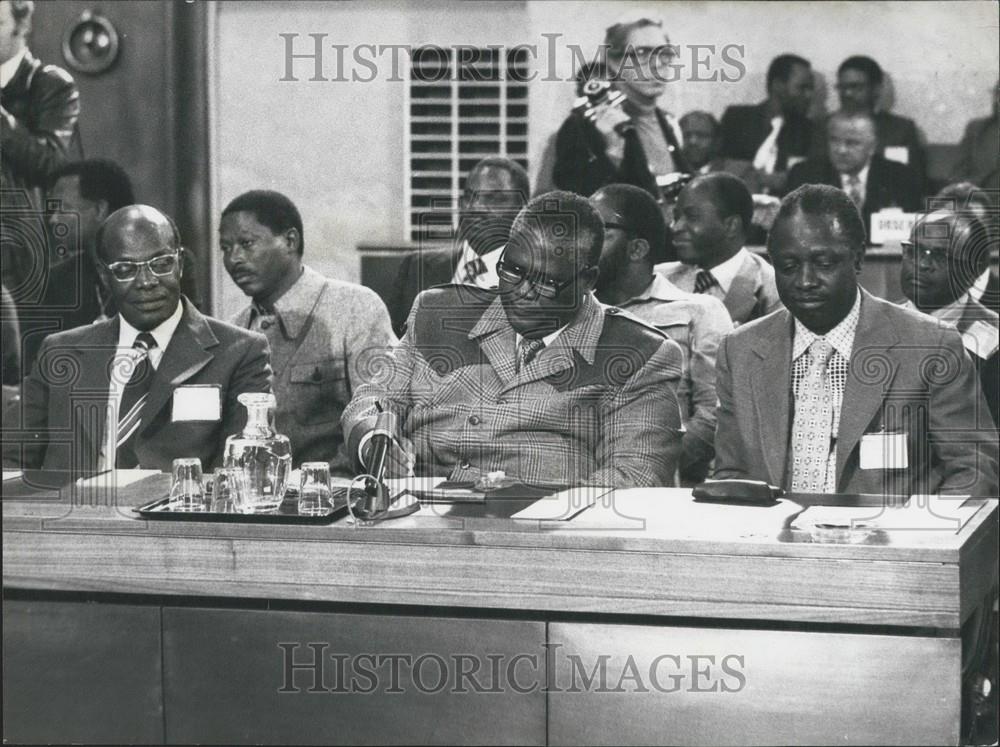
(704, 281)
(133, 399)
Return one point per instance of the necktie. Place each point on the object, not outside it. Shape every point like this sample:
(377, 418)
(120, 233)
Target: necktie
(703, 281)
(766, 158)
(473, 269)
(133, 399)
(813, 424)
(854, 191)
(527, 350)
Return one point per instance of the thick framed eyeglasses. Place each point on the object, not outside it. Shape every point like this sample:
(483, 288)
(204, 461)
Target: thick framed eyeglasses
(127, 271)
(544, 286)
(937, 257)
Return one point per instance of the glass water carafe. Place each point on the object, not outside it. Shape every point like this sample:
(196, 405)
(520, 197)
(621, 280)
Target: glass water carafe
(265, 456)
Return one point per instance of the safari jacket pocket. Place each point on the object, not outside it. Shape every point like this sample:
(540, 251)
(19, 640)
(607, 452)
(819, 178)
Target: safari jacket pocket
(317, 392)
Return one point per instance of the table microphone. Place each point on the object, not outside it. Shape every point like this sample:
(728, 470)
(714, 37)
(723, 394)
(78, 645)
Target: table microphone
(382, 437)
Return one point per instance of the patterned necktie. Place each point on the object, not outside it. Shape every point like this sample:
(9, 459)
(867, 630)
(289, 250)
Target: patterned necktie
(133, 399)
(854, 191)
(527, 350)
(473, 269)
(813, 425)
(766, 157)
(703, 281)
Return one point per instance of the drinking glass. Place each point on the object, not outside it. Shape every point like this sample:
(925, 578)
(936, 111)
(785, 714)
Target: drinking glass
(229, 491)
(187, 493)
(315, 497)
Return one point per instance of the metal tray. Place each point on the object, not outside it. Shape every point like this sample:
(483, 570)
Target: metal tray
(287, 513)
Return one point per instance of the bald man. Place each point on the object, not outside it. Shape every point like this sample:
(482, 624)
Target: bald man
(941, 261)
(853, 165)
(156, 382)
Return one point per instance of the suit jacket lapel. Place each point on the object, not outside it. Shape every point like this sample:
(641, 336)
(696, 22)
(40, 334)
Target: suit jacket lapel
(185, 356)
(869, 377)
(770, 381)
(96, 359)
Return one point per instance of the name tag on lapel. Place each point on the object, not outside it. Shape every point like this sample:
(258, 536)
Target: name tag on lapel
(981, 339)
(884, 451)
(197, 403)
(897, 153)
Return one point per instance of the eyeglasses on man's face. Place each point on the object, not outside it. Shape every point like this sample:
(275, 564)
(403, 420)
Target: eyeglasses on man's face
(544, 286)
(913, 252)
(161, 265)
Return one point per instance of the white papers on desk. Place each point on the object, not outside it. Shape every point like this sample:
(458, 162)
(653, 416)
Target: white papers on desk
(11, 474)
(564, 505)
(118, 478)
(920, 513)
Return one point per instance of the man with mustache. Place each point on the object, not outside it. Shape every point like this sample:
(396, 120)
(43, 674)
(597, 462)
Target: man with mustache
(325, 335)
(842, 392)
(155, 382)
(495, 189)
(537, 379)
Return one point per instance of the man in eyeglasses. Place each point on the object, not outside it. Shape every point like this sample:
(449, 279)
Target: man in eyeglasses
(634, 232)
(843, 392)
(156, 382)
(633, 143)
(537, 379)
(945, 254)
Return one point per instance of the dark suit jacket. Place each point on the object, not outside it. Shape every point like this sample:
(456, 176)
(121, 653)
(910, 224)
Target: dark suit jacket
(909, 373)
(421, 269)
(582, 164)
(890, 184)
(987, 365)
(744, 129)
(66, 395)
(978, 160)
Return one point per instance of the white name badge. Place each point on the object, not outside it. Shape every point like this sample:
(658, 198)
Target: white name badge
(884, 451)
(897, 153)
(891, 224)
(981, 339)
(197, 403)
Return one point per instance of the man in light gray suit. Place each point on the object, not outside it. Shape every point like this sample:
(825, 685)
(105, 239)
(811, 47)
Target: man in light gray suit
(712, 217)
(325, 335)
(843, 392)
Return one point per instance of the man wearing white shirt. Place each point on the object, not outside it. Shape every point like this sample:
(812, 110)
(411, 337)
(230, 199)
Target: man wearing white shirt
(711, 219)
(156, 382)
(945, 253)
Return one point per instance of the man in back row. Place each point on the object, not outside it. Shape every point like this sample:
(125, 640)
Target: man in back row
(325, 335)
(835, 395)
(538, 379)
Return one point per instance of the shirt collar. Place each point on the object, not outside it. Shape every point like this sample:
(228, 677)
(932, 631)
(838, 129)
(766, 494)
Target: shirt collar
(295, 305)
(162, 333)
(841, 337)
(725, 272)
(660, 289)
(9, 68)
(581, 334)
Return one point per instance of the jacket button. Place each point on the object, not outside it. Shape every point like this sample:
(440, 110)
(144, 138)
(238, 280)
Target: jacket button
(474, 420)
(266, 324)
(464, 465)
(501, 401)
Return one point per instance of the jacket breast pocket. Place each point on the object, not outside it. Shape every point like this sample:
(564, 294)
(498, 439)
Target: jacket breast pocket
(317, 391)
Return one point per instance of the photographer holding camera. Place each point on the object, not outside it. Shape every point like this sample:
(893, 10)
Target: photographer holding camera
(620, 135)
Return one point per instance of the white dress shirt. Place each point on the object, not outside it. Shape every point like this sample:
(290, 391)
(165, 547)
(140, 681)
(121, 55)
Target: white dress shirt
(124, 354)
(725, 273)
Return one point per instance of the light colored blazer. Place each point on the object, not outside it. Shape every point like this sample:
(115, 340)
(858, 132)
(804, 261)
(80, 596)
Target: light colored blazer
(598, 406)
(908, 374)
(751, 295)
(324, 338)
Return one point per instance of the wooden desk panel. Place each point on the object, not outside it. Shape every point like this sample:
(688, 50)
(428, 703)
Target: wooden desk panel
(81, 673)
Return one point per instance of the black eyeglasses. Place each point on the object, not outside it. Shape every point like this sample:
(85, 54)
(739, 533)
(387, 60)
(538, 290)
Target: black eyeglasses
(544, 286)
(938, 257)
(160, 265)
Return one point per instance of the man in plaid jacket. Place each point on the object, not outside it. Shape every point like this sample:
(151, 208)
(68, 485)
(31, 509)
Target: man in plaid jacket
(536, 379)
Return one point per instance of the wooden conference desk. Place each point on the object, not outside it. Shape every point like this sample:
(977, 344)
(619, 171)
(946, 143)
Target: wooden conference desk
(646, 619)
